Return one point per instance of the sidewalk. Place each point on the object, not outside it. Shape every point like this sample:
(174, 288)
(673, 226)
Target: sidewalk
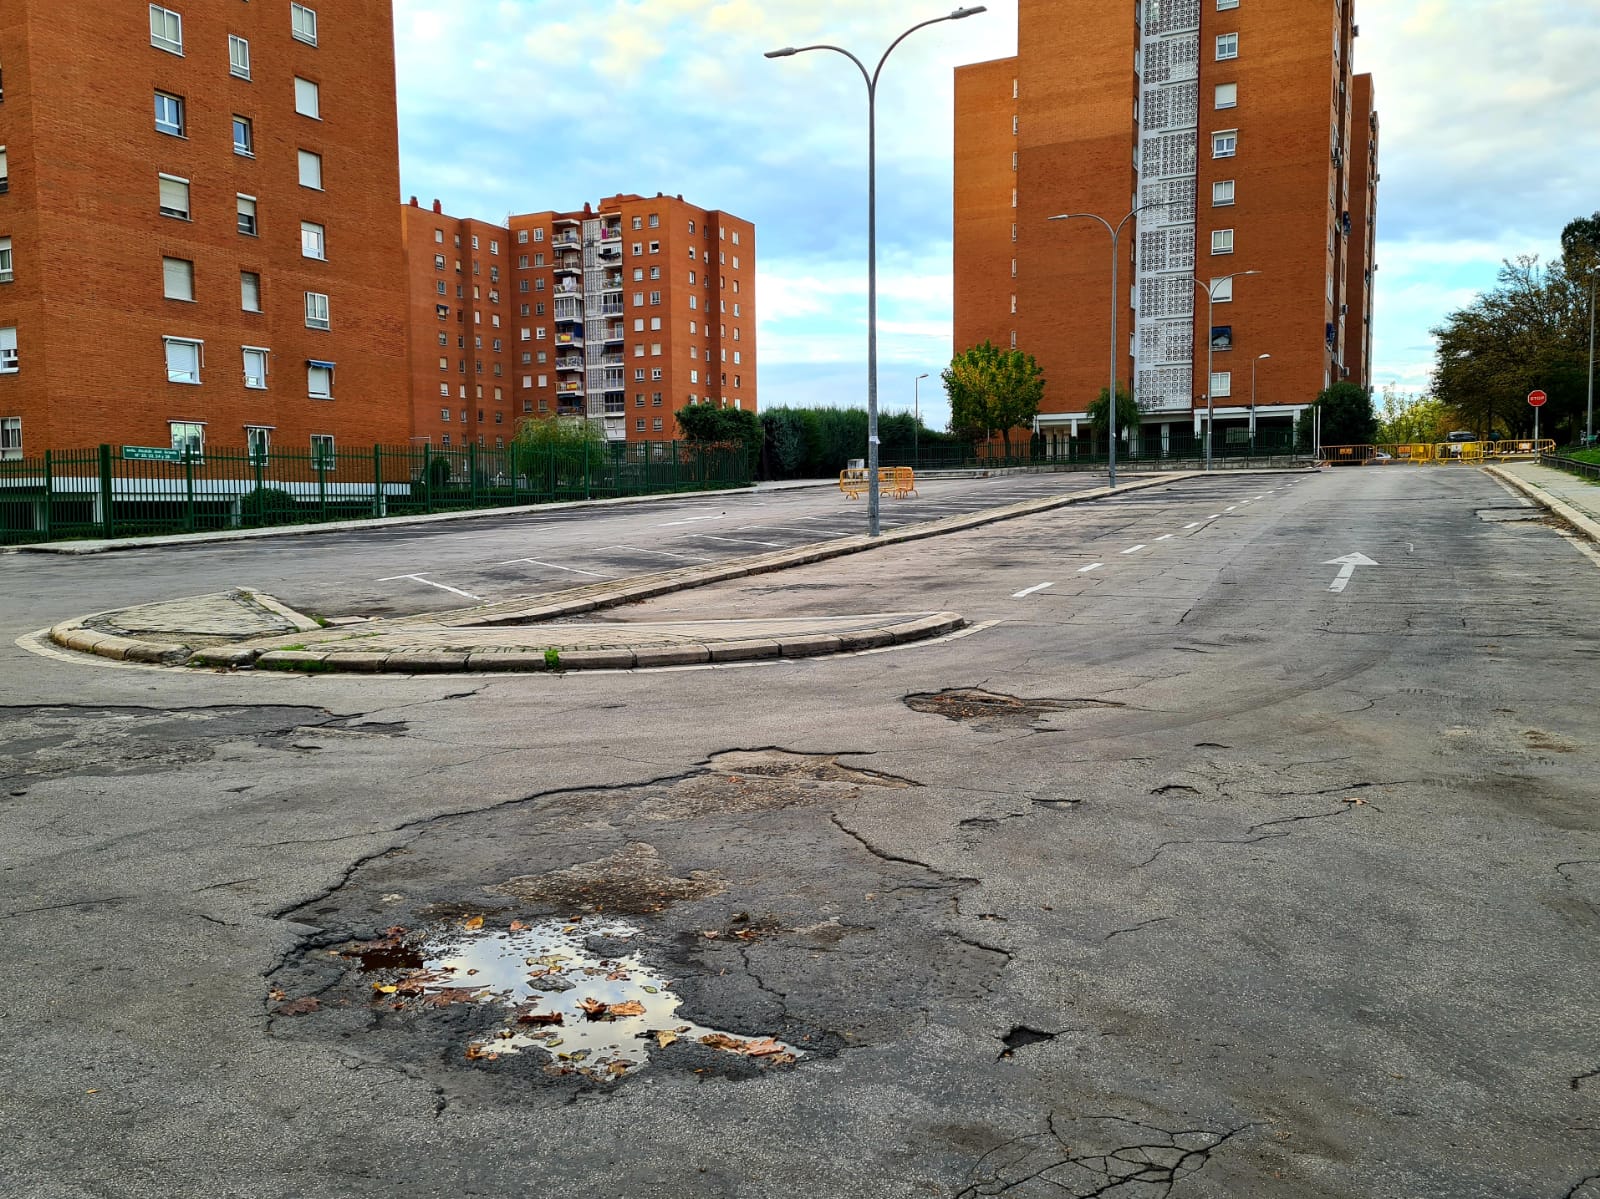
(1574, 499)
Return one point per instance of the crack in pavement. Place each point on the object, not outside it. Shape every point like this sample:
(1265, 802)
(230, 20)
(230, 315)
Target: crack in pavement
(1561, 867)
(1579, 1185)
(1578, 1079)
(1135, 928)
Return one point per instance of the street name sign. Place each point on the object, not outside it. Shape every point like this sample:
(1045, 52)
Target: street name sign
(151, 453)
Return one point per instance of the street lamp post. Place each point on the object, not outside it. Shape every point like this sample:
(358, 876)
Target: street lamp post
(872, 237)
(1588, 424)
(916, 417)
(1258, 358)
(1211, 304)
(1111, 394)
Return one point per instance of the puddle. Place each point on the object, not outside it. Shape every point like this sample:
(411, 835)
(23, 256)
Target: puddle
(595, 1016)
(972, 703)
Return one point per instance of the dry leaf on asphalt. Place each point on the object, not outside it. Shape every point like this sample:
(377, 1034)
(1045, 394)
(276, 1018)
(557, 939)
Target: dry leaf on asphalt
(474, 924)
(764, 1047)
(299, 1007)
(665, 1038)
(721, 1040)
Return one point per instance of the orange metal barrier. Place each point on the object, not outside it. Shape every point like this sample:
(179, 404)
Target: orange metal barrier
(896, 481)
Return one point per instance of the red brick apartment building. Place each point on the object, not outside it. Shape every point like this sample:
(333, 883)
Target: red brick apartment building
(1240, 124)
(198, 241)
(622, 313)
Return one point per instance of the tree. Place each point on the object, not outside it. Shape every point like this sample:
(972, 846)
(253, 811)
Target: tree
(561, 445)
(1580, 243)
(1408, 418)
(713, 425)
(1127, 412)
(993, 389)
(1348, 417)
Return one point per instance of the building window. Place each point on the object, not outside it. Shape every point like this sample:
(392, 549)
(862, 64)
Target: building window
(1222, 193)
(319, 381)
(166, 29)
(169, 114)
(316, 310)
(655, 299)
(655, 247)
(174, 197)
(258, 441)
(8, 351)
(244, 137)
(307, 98)
(1221, 384)
(655, 220)
(1227, 95)
(1222, 290)
(188, 437)
(6, 273)
(639, 424)
(247, 215)
(310, 170)
(303, 22)
(255, 368)
(1226, 4)
(5, 174)
(177, 279)
(238, 57)
(183, 359)
(655, 375)
(655, 399)
(1222, 241)
(1227, 46)
(313, 241)
(1225, 144)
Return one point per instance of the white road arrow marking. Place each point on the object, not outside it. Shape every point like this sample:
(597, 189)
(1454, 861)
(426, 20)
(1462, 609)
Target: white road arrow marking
(1347, 569)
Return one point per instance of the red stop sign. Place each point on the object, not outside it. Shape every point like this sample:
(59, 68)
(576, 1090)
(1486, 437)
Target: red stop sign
(1537, 398)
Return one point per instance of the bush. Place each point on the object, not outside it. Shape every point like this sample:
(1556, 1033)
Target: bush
(268, 506)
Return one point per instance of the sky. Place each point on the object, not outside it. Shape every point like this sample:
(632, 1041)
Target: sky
(1490, 114)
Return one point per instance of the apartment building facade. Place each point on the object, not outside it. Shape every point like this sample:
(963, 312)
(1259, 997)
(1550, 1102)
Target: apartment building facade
(198, 242)
(621, 312)
(1239, 131)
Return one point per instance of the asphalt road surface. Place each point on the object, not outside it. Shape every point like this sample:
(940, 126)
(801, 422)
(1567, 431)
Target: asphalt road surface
(1208, 862)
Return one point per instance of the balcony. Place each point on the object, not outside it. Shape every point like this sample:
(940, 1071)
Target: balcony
(569, 389)
(612, 282)
(569, 364)
(617, 407)
(569, 310)
(566, 241)
(573, 339)
(611, 306)
(613, 334)
(611, 233)
(611, 360)
(570, 264)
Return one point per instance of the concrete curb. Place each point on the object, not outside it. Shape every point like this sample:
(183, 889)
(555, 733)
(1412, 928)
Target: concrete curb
(77, 635)
(1581, 521)
(803, 645)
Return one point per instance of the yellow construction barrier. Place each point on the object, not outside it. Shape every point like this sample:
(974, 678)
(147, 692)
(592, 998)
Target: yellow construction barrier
(1460, 451)
(1413, 452)
(897, 481)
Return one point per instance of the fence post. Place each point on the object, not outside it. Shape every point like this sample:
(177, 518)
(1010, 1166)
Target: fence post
(259, 462)
(46, 517)
(377, 480)
(514, 474)
(472, 474)
(427, 477)
(188, 488)
(108, 524)
(322, 484)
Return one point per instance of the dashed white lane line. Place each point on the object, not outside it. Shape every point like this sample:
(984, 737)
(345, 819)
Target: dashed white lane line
(1230, 507)
(1083, 570)
(1215, 516)
(1165, 537)
(1134, 549)
(1261, 497)
(1030, 590)
(593, 574)
(1194, 524)
(431, 583)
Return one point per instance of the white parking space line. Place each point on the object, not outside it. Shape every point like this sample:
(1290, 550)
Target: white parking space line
(1133, 549)
(1195, 524)
(1230, 507)
(1261, 497)
(658, 553)
(431, 583)
(1165, 537)
(1215, 516)
(791, 529)
(1030, 590)
(1083, 570)
(553, 566)
(774, 545)
(692, 520)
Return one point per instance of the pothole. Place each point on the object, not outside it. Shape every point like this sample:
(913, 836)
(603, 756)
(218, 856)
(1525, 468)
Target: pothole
(976, 704)
(1021, 1037)
(572, 991)
(632, 881)
(1495, 516)
(753, 780)
(1538, 739)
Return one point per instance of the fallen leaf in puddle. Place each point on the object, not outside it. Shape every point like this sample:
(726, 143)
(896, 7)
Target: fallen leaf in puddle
(619, 1068)
(541, 1018)
(478, 1053)
(721, 1040)
(299, 1007)
(517, 926)
(592, 1008)
(764, 1047)
(474, 924)
(629, 1007)
(665, 1038)
(617, 976)
(448, 996)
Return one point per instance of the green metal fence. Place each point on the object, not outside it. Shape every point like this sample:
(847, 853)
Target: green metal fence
(126, 492)
(1179, 446)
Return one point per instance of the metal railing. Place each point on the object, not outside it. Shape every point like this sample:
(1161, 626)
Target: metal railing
(106, 492)
(1576, 466)
(1452, 452)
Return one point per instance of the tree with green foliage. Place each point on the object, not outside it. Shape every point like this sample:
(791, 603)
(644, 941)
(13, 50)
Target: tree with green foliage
(1531, 331)
(1100, 412)
(1408, 419)
(562, 446)
(993, 390)
(1348, 417)
(714, 425)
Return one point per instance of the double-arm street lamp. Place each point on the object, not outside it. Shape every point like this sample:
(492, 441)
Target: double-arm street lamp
(871, 79)
(1116, 250)
(1588, 424)
(916, 417)
(1211, 303)
(1259, 358)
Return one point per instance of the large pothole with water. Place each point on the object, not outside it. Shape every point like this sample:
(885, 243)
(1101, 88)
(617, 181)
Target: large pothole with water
(730, 922)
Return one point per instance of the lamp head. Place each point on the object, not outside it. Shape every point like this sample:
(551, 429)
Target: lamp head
(967, 12)
(1262, 357)
(786, 52)
(924, 375)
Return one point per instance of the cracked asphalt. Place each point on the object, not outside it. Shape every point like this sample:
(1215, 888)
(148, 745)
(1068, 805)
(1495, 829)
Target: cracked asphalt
(1177, 874)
